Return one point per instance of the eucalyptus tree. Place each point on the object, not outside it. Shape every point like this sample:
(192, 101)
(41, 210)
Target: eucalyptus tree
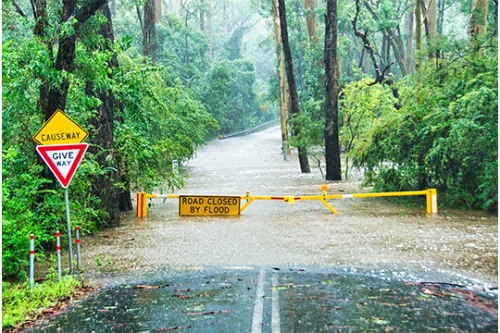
(294, 99)
(283, 88)
(332, 148)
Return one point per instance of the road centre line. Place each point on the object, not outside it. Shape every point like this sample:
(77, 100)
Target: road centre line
(275, 315)
(259, 304)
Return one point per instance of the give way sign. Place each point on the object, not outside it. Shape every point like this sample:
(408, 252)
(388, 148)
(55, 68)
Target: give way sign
(63, 160)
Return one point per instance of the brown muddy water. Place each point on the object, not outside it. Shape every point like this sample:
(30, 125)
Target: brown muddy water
(367, 234)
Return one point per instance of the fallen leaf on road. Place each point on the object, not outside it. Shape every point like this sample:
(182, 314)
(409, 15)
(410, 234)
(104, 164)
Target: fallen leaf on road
(146, 287)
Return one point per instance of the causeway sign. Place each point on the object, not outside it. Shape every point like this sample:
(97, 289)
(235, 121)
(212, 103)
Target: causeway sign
(60, 129)
(63, 160)
(209, 205)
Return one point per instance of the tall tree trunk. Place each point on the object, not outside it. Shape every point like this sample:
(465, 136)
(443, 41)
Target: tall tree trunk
(210, 31)
(102, 142)
(149, 31)
(497, 18)
(418, 36)
(440, 18)
(202, 15)
(385, 52)
(332, 148)
(310, 8)
(224, 17)
(294, 98)
(40, 15)
(478, 19)
(409, 43)
(158, 11)
(433, 36)
(283, 90)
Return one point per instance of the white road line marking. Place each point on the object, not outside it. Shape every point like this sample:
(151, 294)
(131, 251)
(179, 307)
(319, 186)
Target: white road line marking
(259, 305)
(275, 321)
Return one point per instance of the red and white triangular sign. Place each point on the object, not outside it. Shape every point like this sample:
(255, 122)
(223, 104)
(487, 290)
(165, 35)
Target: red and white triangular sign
(63, 160)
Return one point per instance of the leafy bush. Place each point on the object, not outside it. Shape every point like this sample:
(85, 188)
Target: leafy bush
(20, 304)
(445, 136)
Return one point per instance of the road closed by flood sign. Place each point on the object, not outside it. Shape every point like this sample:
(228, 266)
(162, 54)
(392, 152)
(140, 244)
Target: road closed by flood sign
(209, 205)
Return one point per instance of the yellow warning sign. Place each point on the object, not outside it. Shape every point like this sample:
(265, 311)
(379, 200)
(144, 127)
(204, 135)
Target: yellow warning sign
(60, 129)
(208, 205)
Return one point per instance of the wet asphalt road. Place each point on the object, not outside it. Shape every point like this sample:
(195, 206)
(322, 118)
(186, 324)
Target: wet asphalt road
(287, 268)
(278, 300)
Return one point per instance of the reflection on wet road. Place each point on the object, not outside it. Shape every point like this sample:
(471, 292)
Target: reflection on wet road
(276, 300)
(318, 287)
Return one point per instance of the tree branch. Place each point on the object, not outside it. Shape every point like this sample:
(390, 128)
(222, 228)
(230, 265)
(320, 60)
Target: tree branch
(19, 10)
(87, 9)
(379, 75)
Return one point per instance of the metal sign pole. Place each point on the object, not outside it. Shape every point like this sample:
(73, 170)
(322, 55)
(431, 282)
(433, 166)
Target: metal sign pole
(69, 231)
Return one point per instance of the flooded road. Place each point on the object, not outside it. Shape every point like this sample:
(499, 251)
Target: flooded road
(367, 233)
(375, 266)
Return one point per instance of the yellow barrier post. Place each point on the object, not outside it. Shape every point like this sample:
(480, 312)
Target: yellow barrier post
(145, 203)
(140, 198)
(324, 189)
(431, 201)
(248, 199)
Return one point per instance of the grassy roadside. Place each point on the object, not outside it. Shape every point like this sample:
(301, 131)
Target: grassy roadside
(22, 307)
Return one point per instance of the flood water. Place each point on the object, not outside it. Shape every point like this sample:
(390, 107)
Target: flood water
(366, 233)
(376, 266)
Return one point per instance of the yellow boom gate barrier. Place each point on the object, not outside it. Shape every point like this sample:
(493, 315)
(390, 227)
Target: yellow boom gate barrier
(205, 205)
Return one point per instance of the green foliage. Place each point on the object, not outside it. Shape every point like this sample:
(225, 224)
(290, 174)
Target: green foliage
(162, 121)
(20, 304)
(445, 136)
(229, 95)
(361, 104)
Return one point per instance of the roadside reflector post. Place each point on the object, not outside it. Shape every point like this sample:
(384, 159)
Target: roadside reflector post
(285, 146)
(32, 261)
(77, 236)
(68, 222)
(58, 251)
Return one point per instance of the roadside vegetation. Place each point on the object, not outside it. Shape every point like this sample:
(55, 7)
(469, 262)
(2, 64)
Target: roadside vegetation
(21, 306)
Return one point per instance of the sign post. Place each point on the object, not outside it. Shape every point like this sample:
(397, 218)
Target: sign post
(62, 150)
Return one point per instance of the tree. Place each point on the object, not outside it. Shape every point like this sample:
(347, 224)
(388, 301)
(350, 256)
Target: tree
(149, 30)
(409, 42)
(283, 89)
(103, 141)
(73, 18)
(418, 36)
(478, 19)
(497, 18)
(332, 149)
(433, 34)
(310, 7)
(294, 98)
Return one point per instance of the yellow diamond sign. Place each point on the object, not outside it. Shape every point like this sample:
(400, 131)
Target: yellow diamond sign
(60, 129)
